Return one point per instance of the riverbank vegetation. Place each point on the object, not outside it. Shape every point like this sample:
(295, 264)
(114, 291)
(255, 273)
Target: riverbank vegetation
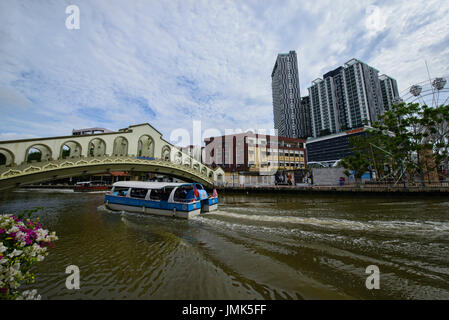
(408, 144)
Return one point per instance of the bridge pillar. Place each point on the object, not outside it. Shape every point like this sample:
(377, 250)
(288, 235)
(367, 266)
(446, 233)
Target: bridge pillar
(19, 155)
(109, 145)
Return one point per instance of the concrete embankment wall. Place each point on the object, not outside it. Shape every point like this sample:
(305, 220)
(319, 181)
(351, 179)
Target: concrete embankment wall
(363, 189)
(443, 191)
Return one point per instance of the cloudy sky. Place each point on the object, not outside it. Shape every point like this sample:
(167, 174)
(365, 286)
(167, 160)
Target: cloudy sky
(169, 62)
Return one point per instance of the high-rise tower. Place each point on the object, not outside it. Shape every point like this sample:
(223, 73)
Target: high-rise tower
(286, 97)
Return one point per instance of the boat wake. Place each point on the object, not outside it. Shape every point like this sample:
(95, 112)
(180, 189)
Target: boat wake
(102, 208)
(39, 190)
(333, 224)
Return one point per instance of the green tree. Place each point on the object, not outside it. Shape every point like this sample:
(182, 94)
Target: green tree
(403, 124)
(408, 140)
(36, 155)
(436, 121)
(65, 153)
(359, 162)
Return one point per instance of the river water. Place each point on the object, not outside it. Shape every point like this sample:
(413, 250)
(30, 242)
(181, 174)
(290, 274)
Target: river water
(253, 247)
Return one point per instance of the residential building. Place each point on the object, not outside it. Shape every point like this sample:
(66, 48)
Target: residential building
(390, 92)
(346, 98)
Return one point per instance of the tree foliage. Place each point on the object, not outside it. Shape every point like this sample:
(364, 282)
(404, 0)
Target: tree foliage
(409, 141)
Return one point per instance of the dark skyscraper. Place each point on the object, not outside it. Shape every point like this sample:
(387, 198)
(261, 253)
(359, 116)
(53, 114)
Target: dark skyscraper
(286, 97)
(305, 116)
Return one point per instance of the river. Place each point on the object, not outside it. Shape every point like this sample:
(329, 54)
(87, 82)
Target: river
(253, 247)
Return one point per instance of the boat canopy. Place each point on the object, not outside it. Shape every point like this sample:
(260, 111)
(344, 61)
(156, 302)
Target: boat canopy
(148, 185)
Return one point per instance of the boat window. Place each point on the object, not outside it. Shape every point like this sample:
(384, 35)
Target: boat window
(120, 191)
(166, 194)
(199, 187)
(161, 194)
(181, 193)
(156, 194)
(139, 193)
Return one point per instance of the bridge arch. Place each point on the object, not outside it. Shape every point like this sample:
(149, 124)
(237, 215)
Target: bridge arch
(204, 171)
(97, 148)
(178, 157)
(120, 146)
(38, 153)
(70, 149)
(166, 152)
(145, 146)
(6, 157)
(187, 162)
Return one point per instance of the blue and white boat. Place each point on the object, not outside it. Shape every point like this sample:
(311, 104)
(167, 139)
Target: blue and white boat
(182, 200)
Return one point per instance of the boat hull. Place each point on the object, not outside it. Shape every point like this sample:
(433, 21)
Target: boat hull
(209, 205)
(209, 208)
(154, 211)
(180, 210)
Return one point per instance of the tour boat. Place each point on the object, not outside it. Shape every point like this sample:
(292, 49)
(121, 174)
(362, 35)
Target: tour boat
(89, 186)
(182, 200)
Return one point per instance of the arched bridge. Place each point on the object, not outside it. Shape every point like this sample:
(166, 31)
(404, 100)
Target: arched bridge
(136, 148)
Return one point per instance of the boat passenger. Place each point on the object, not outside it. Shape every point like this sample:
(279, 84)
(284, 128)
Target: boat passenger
(121, 193)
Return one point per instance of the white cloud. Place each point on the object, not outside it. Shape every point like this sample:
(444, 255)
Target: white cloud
(15, 136)
(375, 20)
(10, 97)
(169, 62)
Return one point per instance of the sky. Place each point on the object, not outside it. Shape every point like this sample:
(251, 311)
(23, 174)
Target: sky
(171, 62)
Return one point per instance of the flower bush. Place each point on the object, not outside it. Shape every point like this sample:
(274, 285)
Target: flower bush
(23, 242)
